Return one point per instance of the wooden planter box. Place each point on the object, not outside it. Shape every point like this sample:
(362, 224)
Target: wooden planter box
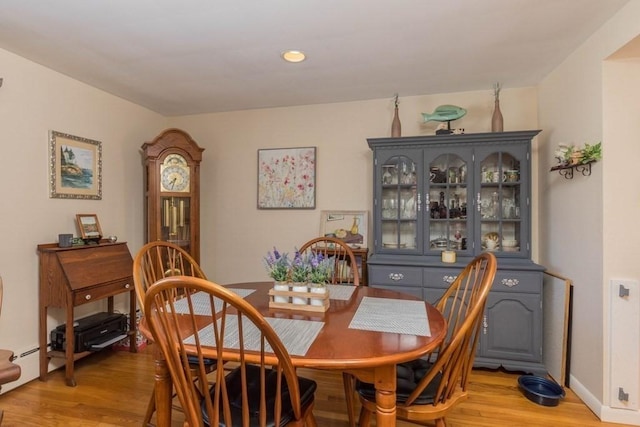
(315, 301)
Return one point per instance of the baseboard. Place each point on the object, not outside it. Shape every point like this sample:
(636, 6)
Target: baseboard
(605, 413)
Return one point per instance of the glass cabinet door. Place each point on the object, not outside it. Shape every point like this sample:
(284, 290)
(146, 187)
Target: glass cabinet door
(398, 204)
(447, 201)
(502, 201)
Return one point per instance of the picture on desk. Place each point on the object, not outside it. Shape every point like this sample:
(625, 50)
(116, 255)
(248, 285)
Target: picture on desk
(348, 226)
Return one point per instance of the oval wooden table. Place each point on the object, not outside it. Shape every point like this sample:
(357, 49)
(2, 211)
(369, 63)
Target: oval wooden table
(370, 356)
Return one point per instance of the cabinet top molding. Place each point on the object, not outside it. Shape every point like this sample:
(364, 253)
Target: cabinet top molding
(450, 138)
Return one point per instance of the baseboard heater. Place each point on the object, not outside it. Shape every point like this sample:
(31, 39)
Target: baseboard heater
(92, 333)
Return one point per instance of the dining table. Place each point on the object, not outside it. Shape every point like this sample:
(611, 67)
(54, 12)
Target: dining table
(366, 331)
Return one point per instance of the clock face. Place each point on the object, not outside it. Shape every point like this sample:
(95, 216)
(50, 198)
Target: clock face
(175, 174)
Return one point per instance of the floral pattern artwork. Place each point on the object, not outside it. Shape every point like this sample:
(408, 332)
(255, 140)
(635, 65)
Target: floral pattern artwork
(287, 178)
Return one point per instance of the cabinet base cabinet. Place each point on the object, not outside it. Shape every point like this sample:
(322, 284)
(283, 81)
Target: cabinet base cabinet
(511, 334)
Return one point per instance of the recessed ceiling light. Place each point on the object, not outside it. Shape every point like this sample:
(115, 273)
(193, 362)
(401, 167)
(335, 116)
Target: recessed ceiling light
(293, 56)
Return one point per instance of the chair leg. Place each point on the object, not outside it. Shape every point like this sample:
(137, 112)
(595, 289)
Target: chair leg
(365, 418)
(349, 383)
(151, 408)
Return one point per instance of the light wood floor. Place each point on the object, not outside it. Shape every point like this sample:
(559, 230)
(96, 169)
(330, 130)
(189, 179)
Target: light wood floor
(114, 388)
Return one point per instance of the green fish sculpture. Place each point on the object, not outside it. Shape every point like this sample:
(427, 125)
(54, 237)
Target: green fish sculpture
(444, 113)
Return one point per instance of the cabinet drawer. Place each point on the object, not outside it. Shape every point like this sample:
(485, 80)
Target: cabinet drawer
(85, 295)
(395, 275)
(440, 278)
(518, 281)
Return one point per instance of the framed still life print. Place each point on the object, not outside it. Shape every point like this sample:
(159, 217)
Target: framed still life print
(287, 178)
(75, 167)
(348, 226)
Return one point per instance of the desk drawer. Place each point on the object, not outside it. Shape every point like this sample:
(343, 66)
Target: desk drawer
(395, 275)
(85, 295)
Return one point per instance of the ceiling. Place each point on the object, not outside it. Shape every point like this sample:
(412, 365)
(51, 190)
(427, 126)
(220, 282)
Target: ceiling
(202, 56)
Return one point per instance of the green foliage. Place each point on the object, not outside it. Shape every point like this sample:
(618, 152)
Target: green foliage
(591, 153)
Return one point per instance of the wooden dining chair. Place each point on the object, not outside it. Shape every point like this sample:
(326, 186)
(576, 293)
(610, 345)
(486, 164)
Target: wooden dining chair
(345, 267)
(428, 388)
(9, 371)
(210, 321)
(155, 261)
(345, 271)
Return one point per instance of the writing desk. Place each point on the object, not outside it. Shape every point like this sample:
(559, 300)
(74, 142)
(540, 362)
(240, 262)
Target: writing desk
(370, 356)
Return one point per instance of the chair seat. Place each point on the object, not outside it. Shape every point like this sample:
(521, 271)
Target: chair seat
(9, 371)
(408, 375)
(234, 387)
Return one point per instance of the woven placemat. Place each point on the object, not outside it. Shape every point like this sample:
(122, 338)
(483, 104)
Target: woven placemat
(296, 335)
(341, 292)
(392, 315)
(201, 304)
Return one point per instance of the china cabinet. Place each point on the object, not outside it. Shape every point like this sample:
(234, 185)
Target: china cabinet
(465, 194)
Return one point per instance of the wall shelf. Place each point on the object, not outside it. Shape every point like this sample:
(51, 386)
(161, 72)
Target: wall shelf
(567, 170)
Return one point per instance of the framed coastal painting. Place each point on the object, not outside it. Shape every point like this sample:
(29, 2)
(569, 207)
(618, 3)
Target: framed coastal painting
(287, 178)
(348, 226)
(75, 167)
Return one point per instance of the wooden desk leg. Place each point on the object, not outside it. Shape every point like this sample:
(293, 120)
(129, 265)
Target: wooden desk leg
(385, 383)
(44, 350)
(133, 323)
(163, 390)
(69, 348)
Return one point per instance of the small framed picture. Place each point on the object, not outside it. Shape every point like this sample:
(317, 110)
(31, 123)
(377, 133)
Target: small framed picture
(348, 226)
(89, 226)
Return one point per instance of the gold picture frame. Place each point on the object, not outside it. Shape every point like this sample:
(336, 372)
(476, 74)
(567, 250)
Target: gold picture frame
(349, 226)
(89, 226)
(75, 167)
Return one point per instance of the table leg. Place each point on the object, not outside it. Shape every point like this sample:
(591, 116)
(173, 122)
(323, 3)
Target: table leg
(163, 390)
(385, 383)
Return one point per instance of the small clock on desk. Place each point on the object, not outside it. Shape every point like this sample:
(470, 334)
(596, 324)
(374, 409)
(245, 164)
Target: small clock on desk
(172, 190)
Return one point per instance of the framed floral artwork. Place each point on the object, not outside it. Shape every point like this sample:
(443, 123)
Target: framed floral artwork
(287, 178)
(75, 167)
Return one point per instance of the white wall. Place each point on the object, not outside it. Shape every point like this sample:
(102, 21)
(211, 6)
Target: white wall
(236, 235)
(33, 101)
(577, 219)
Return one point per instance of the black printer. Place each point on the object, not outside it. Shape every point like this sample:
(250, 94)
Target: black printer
(92, 333)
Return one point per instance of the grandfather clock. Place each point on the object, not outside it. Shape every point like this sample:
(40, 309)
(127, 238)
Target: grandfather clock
(172, 190)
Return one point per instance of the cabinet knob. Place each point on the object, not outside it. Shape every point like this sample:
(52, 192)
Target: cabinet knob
(127, 286)
(510, 282)
(87, 297)
(396, 276)
(449, 279)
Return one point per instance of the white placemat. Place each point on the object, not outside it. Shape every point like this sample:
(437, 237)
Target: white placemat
(201, 304)
(341, 292)
(392, 315)
(296, 335)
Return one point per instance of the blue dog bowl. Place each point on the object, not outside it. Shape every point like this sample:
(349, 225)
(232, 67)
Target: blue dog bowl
(540, 390)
